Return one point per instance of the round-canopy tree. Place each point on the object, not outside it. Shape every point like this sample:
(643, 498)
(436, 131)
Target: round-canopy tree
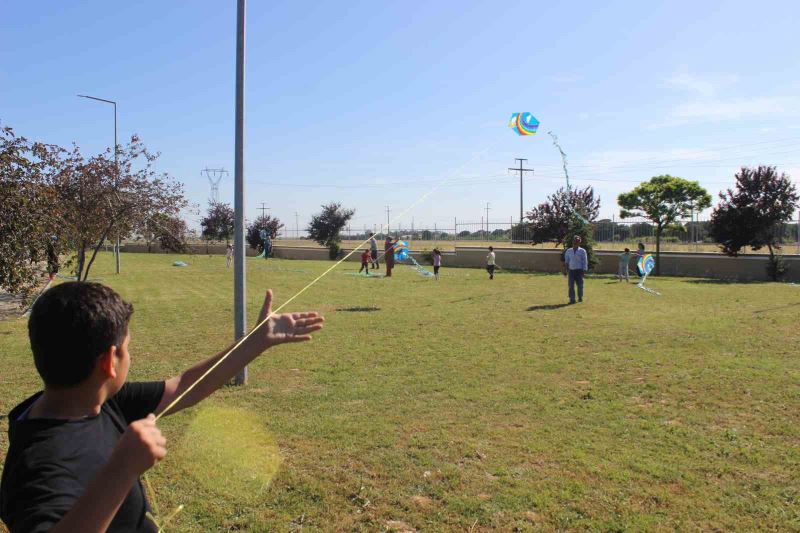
(264, 222)
(663, 200)
(326, 226)
(218, 222)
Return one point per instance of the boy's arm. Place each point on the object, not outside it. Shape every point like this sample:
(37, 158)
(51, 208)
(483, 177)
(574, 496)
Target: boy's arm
(140, 447)
(280, 329)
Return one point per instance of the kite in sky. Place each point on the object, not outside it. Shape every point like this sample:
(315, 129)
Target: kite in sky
(523, 123)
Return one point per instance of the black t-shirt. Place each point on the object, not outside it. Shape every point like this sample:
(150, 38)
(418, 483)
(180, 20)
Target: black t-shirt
(50, 462)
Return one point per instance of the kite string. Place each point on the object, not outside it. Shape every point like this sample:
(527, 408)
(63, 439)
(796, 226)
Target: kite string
(300, 292)
(161, 527)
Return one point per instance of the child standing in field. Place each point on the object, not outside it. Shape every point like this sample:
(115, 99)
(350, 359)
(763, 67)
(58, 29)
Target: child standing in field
(437, 262)
(490, 263)
(229, 256)
(365, 257)
(77, 449)
(624, 261)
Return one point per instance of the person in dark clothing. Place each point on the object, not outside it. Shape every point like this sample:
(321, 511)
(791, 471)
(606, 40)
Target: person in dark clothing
(388, 255)
(77, 448)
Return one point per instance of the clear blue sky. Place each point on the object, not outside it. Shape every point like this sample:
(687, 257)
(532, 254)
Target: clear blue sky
(373, 103)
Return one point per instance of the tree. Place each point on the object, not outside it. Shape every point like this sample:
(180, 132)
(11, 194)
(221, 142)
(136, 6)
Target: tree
(752, 214)
(100, 199)
(325, 227)
(218, 222)
(583, 229)
(29, 215)
(663, 200)
(168, 231)
(264, 222)
(551, 221)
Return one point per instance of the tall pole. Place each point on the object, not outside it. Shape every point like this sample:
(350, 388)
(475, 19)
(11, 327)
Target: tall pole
(521, 172)
(297, 225)
(116, 172)
(487, 220)
(116, 162)
(387, 220)
(239, 281)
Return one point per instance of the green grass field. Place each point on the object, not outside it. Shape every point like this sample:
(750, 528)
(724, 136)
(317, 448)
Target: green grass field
(468, 404)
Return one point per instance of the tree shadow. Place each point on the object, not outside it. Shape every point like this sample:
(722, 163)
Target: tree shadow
(710, 281)
(776, 308)
(547, 307)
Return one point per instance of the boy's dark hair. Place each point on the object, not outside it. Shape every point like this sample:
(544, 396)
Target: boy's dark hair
(71, 325)
(491, 249)
(627, 249)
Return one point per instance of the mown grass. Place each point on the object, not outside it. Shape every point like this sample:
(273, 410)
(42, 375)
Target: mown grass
(468, 403)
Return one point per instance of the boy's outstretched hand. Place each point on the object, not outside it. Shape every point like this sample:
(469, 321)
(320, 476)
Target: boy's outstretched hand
(285, 327)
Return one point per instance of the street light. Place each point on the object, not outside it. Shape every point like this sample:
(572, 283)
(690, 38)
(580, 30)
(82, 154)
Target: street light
(116, 161)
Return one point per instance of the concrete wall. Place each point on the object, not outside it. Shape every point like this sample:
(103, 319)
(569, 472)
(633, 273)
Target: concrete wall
(751, 267)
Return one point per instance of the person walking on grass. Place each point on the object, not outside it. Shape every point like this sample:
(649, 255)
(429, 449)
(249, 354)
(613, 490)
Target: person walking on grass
(437, 262)
(624, 261)
(373, 251)
(490, 263)
(228, 256)
(576, 263)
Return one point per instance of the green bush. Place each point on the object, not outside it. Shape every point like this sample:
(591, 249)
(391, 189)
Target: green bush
(333, 250)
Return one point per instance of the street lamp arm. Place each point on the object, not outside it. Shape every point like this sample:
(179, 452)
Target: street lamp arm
(98, 99)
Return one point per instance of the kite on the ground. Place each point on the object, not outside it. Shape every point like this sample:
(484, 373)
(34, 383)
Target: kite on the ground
(523, 123)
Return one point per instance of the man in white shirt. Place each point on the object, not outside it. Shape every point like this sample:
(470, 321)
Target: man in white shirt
(490, 263)
(576, 263)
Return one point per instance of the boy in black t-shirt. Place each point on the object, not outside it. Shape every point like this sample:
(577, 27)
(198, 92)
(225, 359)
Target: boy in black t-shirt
(77, 448)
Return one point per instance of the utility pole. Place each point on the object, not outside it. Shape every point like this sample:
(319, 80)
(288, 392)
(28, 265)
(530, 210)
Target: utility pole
(521, 173)
(487, 219)
(262, 208)
(387, 220)
(239, 272)
(297, 225)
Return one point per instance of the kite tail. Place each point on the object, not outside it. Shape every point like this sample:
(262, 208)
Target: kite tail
(563, 157)
(420, 269)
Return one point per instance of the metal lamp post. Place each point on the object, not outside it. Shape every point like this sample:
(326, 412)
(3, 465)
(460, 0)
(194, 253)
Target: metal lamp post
(239, 281)
(116, 161)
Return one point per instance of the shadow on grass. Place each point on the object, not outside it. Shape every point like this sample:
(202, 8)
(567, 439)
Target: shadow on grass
(547, 307)
(710, 281)
(359, 309)
(776, 308)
